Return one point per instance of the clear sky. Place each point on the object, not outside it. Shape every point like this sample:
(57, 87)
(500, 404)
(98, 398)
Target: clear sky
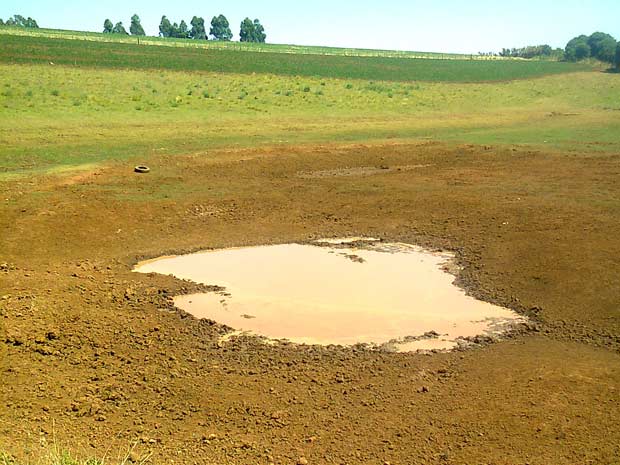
(466, 26)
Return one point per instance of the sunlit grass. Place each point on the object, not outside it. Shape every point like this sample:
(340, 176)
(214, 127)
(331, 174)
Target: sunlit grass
(54, 116)
(96, 54)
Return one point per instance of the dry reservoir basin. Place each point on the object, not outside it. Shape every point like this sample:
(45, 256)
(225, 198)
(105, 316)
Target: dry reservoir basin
(337, 291)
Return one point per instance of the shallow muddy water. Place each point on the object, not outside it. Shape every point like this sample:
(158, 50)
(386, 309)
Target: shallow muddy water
(345, 292)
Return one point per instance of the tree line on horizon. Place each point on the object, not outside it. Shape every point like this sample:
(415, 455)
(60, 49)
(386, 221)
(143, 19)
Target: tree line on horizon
(20, 21)
(533, 51)
(599, 45)
(249, 31)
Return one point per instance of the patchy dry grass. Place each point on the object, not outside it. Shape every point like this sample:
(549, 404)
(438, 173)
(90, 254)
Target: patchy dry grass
(53, 454)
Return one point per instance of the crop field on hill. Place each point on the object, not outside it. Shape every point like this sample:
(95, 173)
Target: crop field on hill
(24, 50)
(239, 46)
(516, 173)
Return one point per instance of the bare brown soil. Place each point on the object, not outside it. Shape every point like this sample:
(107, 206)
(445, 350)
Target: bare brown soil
(93, 356)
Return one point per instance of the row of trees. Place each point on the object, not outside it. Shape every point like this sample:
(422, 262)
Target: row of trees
(533, 51)
(19, 21)
(250, 31)
(599, 45)
(135, 28)
(220, 29)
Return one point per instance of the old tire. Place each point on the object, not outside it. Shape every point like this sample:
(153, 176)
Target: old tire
(142, 169)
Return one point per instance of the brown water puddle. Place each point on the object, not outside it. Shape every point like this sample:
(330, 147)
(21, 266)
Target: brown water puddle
(342, 292)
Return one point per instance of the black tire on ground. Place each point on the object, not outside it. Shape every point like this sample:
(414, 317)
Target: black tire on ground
(142, 169)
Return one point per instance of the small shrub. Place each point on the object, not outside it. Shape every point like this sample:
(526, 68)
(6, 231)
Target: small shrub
(206, 94)
(306, 89)
(55, 92)
(349, 86)
(28, 94)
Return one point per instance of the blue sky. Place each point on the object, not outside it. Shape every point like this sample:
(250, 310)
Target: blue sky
(467, 26)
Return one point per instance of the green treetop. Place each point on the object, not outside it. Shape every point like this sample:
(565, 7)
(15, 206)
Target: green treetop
(136, 28)
(198, 31)
(577, 49)
(165, 27)
(220, 28)
(119, 28)
(252, 31)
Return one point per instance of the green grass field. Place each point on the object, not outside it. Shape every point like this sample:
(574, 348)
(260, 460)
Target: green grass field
(55, 116)
(239, 46)
(36, 50)
(93, 110)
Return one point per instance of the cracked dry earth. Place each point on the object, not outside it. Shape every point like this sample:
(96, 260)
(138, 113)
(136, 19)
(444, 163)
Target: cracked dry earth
(94, 358)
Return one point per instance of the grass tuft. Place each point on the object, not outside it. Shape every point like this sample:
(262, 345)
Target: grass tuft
(55, 455)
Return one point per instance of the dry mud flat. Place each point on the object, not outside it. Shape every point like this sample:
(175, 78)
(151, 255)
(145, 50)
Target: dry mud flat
(95, 358)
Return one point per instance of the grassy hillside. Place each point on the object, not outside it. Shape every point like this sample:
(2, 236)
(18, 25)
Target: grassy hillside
(56, 117)
(108, 101)
(30, 49)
